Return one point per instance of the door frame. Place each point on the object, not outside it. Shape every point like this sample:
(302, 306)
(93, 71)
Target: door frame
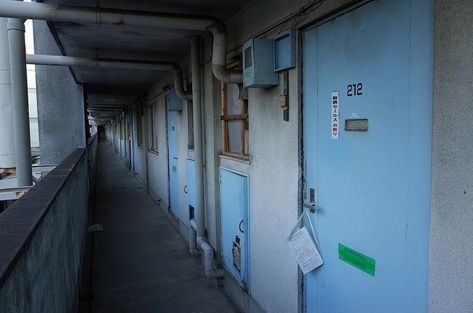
(323, 19)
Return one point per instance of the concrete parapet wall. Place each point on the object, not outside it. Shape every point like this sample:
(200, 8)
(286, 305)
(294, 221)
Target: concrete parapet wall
(42, 241)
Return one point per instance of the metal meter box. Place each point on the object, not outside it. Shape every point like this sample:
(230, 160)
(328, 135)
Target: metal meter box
(285, 51)
(258, 64)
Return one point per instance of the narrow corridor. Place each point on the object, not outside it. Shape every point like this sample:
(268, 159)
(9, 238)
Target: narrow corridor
(141, 264)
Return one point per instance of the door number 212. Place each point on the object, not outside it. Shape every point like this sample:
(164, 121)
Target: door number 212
(355, 89)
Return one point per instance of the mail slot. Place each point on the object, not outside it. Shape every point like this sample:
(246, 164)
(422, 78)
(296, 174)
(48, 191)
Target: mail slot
(360, 125)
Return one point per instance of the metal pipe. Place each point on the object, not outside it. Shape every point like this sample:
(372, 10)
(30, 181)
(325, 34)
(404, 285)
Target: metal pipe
(198, 150)
(207, 251)
(59, 60)
(7, 143)
(19, 94)
(56, 13)
(192, 237)
(219, 56)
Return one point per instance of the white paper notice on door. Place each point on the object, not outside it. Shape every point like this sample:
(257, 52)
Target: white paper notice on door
(304, 249)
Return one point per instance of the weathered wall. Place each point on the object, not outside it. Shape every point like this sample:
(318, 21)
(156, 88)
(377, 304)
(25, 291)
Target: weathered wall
(42, 242)
(60, 103)
(158, 162)
(273, 209)
(451, 247)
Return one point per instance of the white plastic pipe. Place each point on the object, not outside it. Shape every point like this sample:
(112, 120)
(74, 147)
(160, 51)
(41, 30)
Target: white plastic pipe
(207, 251)
(60, 60)
(7, 144)
(19, 95)
(192, 237)
(56, 13)
(198, 150)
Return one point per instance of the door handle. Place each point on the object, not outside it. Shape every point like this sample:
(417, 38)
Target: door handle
(186, 189)
(239, 227)
(311, 205)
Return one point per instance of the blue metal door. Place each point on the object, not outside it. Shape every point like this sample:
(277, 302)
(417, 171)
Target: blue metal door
(190, 186)
(173, 150)
(234, 221)
(367, 84)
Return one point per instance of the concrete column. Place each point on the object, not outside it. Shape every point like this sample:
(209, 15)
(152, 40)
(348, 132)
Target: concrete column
(198, 150)
(7, 144)
(19, 94)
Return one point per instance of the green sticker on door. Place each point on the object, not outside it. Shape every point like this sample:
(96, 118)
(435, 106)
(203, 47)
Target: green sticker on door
(174, 169)
(357, 259)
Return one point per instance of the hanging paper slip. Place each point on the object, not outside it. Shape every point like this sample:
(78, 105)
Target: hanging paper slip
(304, 248)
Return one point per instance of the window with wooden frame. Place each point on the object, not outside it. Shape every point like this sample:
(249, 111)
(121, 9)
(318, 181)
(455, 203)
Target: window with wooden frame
(190, 125)
(235, 126)
(153, 145)
(139, 129)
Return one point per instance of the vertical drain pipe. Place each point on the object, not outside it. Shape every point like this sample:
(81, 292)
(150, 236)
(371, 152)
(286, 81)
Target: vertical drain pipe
(19, 94)
(7, 143)
(197, 117)
(207, 251)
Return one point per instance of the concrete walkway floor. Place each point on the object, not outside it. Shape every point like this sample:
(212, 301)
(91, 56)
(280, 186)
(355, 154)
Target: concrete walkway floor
(141, 263)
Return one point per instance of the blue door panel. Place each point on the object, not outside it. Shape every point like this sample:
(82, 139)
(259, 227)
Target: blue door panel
(173, 152)
(372, 187)
(190, 183)
(234, 222)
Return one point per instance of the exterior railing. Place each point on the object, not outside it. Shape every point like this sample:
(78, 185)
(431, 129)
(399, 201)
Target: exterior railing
(42, 239)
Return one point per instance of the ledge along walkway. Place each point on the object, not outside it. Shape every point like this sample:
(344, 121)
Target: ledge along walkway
(141, 264)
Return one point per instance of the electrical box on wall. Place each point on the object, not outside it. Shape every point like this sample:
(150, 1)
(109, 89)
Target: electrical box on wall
(285, 51)
(258, 64)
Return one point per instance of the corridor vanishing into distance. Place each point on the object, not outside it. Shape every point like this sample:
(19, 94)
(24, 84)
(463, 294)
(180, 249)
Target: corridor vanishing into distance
(141, 264)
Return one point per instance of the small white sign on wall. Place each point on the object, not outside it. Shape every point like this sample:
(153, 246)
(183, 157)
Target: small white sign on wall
(335, 105)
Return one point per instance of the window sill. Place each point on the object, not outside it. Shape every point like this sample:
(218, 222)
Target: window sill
(153, 151)
(235, 157)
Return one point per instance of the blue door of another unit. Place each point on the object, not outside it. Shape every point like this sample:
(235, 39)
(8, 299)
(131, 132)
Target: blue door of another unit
(367, 79)
(173, 149)
(234, 221)
(190, 186)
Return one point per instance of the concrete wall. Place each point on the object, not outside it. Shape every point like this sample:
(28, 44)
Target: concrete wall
(60, 104)
(451, 247)
(273, 209)
(43, 240)
(158, 162)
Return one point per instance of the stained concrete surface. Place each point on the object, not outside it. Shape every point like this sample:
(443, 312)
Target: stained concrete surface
(141, 263)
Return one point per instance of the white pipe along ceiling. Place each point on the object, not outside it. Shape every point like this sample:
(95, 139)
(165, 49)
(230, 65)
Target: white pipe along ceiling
(99, 16)
(59, 60)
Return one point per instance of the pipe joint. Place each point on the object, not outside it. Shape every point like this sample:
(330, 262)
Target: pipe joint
(16, 24)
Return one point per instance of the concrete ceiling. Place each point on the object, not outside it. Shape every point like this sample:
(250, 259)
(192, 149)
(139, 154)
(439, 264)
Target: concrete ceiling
(125, 42)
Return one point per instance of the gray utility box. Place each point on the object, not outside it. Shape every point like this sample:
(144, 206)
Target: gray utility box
(258, 64)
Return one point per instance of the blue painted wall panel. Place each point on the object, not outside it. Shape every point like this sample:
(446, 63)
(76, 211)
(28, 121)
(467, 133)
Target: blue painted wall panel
(173, 153)
(190, 181)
